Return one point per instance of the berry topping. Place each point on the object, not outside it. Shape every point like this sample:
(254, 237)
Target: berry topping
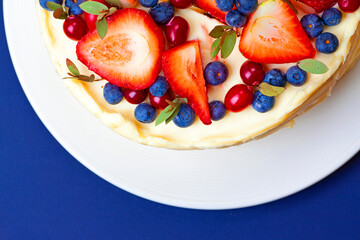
(332, 17)
(216, 73)
(210, 7)
(177, 30)
(225, 5)
(262, 103)
(135, 96)
(44, 2)
(159, 87)
(236, 19)
(238, 98)
(75, 27)
(182, 4)
(275, 77)
(145, 113)
(327, 43)
(73, 6)
(246, 6)
(128, 3)
(312, 24)
(274, 34)
(252, 73)
(320, 5)
(112, 94)
(183, 70)
(148, 3)
(162, 13)
(349, 5)
(161, 102)
(296, 76)
(186, 116)
(130, 54)
(217, 110)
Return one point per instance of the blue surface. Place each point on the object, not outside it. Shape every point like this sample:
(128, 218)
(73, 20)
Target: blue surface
(46, 194)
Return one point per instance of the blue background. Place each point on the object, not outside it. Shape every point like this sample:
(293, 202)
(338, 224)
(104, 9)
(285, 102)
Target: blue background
(46, 194)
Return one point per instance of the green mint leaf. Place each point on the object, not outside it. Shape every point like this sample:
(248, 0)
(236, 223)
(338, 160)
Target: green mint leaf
(60, 14)
(101, 16)
(270, 90)
(228, 44)
(215, 48)
(313, 66)
(93, 7)
(102, 27)
(165, 114)
(72, 67)
(175, 112)
(291, 6)
(114, 3)
(53, 6)
(216, 32)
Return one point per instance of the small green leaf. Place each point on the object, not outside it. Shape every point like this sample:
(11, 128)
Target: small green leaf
(93, 7)
(101, 16)
(60, 14)
(102, 27)
(111, 11)
(313, 66)
(53, 6)
(270, 90)
(229, 43)
(165, 114)
(72, 67)
(114, 3)
(216, 32)
(215, 48)
(173, 115)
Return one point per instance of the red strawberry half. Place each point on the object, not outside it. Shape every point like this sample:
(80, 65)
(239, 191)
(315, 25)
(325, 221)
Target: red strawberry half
(274, 34)
(183, 70)
(319, 5)
(130, 54)
(128, 3)
(210, 7)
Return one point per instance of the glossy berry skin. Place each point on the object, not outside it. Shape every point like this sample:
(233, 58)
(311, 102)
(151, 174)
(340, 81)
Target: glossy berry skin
(262, 103)
(148, 3)
(177, 30)
(73, 6)
(238, 98)
(216, 73)
(275, 77)
(44, 2)
(159, 87)
(162, 13)
(327, 43)
(225, 5)
(160, 102)
(182, 4)
(332, 17)
(296, 76)
(186, 116)
(252, 73)
(75, 27)
(135, 96)
(236, 19)
(145, 113)
(112, 93)
(349, 5)
(217, 110)
(246, 7)
(90, 19)
(312, 24)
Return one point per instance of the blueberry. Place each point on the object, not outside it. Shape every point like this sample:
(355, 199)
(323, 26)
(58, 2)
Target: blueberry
(159, 87)
(43, 3)
(246, 6)
(148, 3)
(332, 17)
(275, 77)
(312, 24)
(145, 113)
(235, 19)
(296, 76)
(162, 13)
(185, 117)
(73, 6)
(327, 43)
(262, 103)
(217, 110)
(225, 5)
(112, 93)
(216, 73)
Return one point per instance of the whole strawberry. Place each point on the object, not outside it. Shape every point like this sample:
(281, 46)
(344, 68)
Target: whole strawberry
(319, 5)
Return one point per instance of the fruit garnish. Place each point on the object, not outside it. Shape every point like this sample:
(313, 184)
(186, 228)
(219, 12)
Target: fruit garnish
(130, 54)
(349, 5)
(60, 10)
(210, 7)
(225, 41)
(270, 90)
(252, 73)
(177, 30)
(125, 3)
(75, 27)
(145, 113)
(320, 5)
(262, 103)
(274, 34)
(217, 110)
(135, 96)
(74, 73)
(296, 76)
(238, 98)
(170, 112)
(313, 66)
(182, 66)
(161, 102)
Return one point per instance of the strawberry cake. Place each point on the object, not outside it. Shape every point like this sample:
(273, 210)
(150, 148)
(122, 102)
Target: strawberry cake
(200, 74)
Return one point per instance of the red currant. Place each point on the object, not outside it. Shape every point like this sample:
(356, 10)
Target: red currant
(349, 5)
(177, 30)
(160, 102)
(252, 73)
(181, 3)
(135, 96)
(75, 27)
(90, 19)
(238, 98)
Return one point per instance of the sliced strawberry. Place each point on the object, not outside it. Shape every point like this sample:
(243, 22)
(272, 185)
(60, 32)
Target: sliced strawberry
(130, 54)
(210, 7)
(319, 5)
(183, 70)
(274, 34)
(128, 3)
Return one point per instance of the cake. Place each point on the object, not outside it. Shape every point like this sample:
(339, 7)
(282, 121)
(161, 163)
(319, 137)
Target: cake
(186, 65)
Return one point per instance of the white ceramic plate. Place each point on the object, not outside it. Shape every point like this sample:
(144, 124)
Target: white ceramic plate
(281, 164)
